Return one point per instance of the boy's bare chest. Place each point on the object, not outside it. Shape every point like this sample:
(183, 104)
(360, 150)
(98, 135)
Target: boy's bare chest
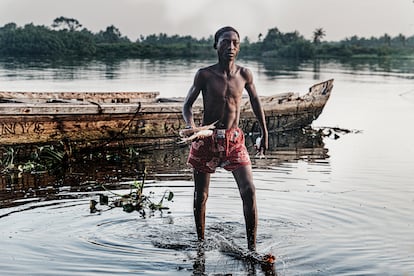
(225, 86)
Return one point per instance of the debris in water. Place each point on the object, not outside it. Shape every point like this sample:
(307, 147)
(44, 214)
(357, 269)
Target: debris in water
(135, 200)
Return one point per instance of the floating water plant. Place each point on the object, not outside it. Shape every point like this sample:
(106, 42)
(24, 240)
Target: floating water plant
(135, 200)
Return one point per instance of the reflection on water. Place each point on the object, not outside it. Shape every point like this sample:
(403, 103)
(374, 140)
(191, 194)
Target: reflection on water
(282, 68)
(309, 218)
(306, 144)
(172, 77)
(62, 199)
(86, 170)
(326, 206)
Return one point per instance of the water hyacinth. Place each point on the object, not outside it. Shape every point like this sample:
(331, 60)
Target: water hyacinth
(135, 200)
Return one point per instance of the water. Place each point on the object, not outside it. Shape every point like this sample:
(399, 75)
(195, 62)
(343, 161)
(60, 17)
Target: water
(326, 207)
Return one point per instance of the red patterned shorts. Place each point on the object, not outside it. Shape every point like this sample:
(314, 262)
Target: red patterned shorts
(225, 148)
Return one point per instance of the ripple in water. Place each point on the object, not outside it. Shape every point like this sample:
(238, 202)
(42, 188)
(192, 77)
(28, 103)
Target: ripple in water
(315, 221)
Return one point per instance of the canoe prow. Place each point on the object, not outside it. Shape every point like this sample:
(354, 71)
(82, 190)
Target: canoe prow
(289, 110)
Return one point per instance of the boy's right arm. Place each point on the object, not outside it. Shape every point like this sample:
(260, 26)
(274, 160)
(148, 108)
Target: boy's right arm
(192, 95)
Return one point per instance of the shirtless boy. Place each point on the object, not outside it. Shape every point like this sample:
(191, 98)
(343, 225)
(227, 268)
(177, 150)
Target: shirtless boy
(222, 86)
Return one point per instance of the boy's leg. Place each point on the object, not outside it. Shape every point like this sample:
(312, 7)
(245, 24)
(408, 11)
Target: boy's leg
(244, 179)
(201, 185)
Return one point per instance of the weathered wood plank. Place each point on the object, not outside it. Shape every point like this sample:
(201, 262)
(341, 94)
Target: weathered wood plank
(98, 97)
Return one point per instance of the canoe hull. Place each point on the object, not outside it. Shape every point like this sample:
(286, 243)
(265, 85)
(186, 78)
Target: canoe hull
(90, 129)
(145, 124)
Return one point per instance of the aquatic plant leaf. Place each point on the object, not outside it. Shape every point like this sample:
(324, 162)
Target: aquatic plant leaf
(128, 207)
(92, 206)
(103, 199)
(170, 196)
(154, 206)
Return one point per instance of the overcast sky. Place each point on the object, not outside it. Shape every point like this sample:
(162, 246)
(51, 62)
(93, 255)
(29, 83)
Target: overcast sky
(201, 18)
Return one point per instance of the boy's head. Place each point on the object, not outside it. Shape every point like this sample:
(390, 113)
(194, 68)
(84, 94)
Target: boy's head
(221, 31)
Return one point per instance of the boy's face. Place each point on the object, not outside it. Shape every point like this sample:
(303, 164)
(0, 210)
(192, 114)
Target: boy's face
(228, 45)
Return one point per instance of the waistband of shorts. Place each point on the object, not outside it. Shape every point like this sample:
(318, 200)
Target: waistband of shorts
(220, 132)
(228, 130)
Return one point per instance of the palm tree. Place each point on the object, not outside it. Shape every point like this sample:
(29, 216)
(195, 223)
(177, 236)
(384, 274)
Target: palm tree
(318, 34)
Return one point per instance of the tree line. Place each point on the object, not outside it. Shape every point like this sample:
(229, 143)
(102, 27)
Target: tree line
(67, 38)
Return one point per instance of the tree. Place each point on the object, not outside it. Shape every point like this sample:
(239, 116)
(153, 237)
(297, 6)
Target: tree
(386, 39)
(402, 39)
(246, 40)
(9, 27)
(272, 39)
(65, 23)
(111, 35)
(30, 40)
(318, 34)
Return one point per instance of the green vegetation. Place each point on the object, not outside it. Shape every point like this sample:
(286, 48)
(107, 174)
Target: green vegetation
(66, 38)
(16, 162)
(41, 159)
(135, 200)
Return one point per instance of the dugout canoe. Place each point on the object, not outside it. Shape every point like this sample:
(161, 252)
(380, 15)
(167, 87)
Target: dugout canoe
(138, 118)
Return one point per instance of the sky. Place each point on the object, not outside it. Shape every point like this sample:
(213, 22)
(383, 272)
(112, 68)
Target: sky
(339, 19)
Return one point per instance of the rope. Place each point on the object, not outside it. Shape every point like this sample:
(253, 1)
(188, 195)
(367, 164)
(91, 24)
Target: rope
(100, 111)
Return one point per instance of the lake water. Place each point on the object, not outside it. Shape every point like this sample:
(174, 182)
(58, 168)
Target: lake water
(335, 207)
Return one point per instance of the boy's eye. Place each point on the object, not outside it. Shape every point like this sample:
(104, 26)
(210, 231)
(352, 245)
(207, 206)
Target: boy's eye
(227, 42)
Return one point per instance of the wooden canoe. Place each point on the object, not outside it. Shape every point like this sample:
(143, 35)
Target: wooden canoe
(138, 118)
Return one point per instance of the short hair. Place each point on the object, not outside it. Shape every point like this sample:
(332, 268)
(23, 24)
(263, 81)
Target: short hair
(222, 31)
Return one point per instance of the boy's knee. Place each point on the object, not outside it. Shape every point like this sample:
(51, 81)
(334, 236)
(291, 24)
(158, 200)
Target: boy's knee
(201, 197)
(248, 192)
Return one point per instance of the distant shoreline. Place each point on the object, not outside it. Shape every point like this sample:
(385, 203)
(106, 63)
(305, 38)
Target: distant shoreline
(65, 38)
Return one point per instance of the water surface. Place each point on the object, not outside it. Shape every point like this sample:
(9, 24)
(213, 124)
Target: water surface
(326, 206)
